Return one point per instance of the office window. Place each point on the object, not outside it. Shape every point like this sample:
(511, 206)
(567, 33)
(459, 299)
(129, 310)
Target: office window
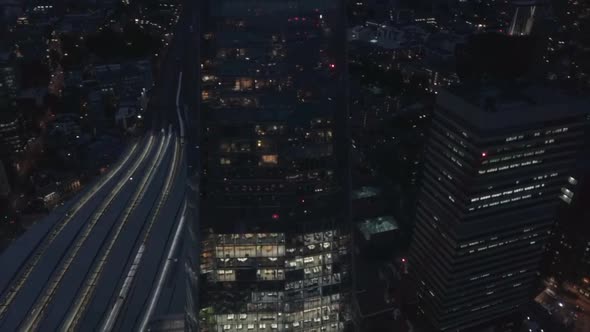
(270, 159)
(243, 84)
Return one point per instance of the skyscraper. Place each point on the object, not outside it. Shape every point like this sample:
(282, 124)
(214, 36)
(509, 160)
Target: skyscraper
(272, 221)
(8, 81)
(525, 14)
(496, 163)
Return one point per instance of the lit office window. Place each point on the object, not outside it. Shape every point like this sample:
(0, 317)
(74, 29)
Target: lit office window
(270, 159)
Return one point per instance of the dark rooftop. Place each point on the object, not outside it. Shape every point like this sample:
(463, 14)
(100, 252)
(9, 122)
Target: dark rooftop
(509, 106)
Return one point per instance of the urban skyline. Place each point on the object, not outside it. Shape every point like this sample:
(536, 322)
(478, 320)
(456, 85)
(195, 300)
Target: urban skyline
(294, 165)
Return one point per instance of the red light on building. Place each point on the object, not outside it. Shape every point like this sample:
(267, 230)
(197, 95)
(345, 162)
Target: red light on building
(332, 66)
(483, 154)
(275, 216)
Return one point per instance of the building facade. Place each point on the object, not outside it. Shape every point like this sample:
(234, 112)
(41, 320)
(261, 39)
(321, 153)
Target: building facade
(12, 133)
(524, 16)
(496, 165)
(272, 218)
(8, 82)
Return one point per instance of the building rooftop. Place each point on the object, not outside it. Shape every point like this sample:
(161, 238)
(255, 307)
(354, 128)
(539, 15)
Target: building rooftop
(127, 79)
(388, 37)
(497, 107)
(365, 192)
(80, 22)
(372, 226)
(170, 323)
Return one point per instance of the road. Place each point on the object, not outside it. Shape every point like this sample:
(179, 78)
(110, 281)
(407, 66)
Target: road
(102, 261)
(566, 306)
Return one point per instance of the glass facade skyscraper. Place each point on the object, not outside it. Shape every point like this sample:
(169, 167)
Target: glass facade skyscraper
(496, 164)
(271, 215)
(525, 14)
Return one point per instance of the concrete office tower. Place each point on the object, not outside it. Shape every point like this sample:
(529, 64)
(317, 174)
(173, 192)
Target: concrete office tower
(496, 165)
(272, 221)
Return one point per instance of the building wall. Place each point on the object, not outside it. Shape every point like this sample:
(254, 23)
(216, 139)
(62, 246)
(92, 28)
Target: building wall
(8, 82)
(485, 210)
(272, 221)
(12, 134)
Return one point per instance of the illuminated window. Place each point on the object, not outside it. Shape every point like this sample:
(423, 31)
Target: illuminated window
(270, 159)
(243, 84)
(270, 274)
(207, 78)
(225, 161)
(226, 275)
(225, 147)
(245, 147)
(237, 102)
